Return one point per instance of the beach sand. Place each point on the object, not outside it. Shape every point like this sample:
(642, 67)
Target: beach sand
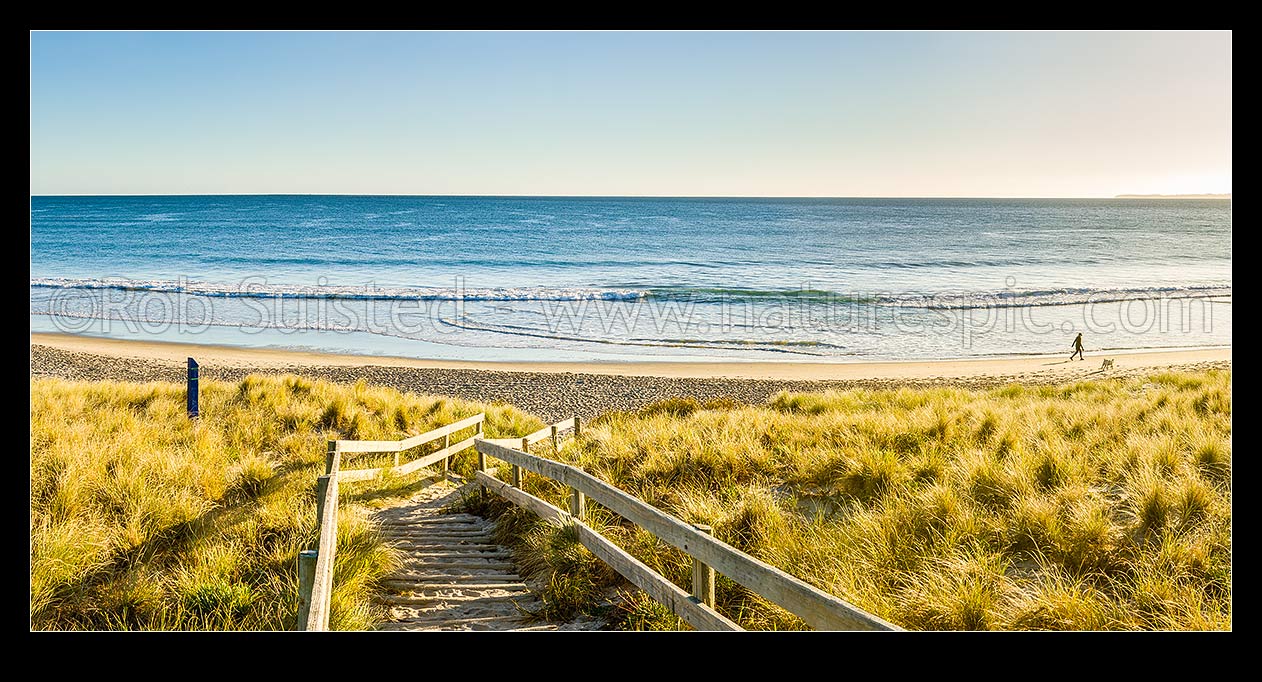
(556, 390)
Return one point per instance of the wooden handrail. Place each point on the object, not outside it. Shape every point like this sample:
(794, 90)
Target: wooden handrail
(378, 446)
(821, 610)
(418, 463)
(363, 446)
(688, 607)
(318, 604)
(547, 431)
(531, 438)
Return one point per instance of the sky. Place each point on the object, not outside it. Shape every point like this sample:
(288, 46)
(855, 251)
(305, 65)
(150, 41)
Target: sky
(875, 114)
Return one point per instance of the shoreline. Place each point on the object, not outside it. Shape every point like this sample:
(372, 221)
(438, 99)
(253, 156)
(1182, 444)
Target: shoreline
(263, 358)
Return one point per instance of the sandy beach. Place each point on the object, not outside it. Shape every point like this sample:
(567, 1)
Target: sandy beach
(561, 389)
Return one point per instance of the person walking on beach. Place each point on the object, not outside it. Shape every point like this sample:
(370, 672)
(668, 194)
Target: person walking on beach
(1077, 347)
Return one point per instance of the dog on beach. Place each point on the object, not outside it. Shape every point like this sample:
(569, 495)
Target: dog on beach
(1107, 364)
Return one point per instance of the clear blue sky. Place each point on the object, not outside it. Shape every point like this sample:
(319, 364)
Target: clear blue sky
(716, 113)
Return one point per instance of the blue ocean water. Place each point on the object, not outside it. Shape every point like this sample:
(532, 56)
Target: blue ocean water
(554, 278)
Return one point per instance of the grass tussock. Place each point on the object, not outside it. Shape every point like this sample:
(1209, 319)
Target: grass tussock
(1094, 505)
(143, 519)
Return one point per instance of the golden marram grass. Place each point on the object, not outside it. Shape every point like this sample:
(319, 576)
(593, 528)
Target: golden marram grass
(1096, 505)
(144, 519)
(1089, 506)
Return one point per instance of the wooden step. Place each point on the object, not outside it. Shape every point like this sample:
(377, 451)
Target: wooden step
(448, 553)
(426, 514)
(445, 624)
(429, 522)
(464, 576)
(460, 592)
(462, 544)
(455, 553)
(423, 531)
(440, 537)
(461, 566)
(454, 603)
(459, 525)
(459, 546)
(464, 591)
(431, 586)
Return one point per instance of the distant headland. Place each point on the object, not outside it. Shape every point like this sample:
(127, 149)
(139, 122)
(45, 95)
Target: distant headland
(1173, 196)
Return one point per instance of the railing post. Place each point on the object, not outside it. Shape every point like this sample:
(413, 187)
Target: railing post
(482, 494)
(322, 488)
(447, 459)
(525, 447)
(556, 444)
(396, 459)
(192, 389)
(322, 585)
(306, 582)
(578, 501)
(703, 575)
(481, 456)
(332, 461)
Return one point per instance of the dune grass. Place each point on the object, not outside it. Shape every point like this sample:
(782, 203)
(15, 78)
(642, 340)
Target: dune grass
(144, 519)
(1096, 505)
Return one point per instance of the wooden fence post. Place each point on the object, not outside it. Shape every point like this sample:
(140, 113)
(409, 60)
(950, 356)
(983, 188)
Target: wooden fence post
(332, 460)
(447, 459)
(482, 493)
(578, 501)
(481, 457)
(703, 575)
(556, 444)
(326, 556)
(306, 582)
(525, 447)
(192, 388)
(322, 487)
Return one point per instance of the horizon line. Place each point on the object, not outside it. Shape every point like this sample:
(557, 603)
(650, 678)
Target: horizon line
(1190, 195)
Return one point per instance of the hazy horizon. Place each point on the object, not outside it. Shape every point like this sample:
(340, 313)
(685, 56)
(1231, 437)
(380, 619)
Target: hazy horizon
(1019, 115)
(1206, 195)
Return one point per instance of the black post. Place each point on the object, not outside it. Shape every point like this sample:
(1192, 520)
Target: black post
(192, 388)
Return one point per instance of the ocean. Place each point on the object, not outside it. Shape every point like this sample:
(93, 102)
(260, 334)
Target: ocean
(590, 278)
